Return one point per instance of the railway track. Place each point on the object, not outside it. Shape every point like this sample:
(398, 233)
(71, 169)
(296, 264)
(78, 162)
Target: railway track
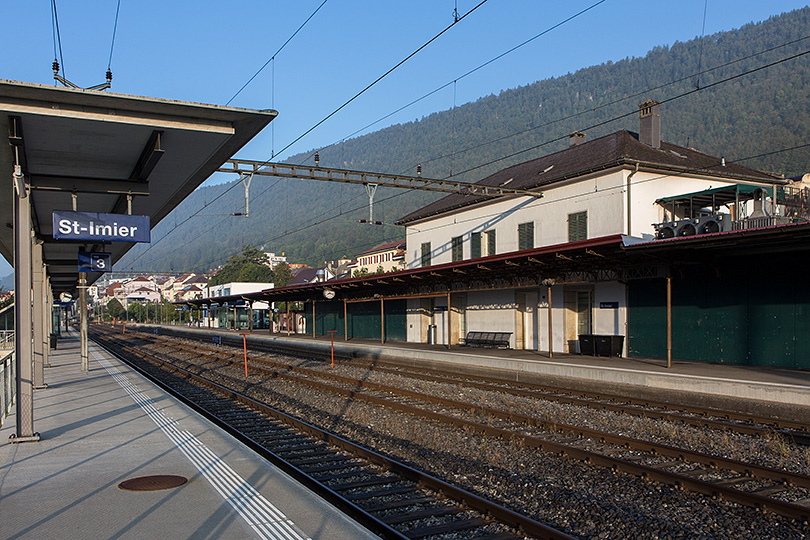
(759, 487)
(703, 417)
(390, 498)
(725, 420)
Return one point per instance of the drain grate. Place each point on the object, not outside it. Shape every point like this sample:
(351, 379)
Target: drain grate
(153, 483)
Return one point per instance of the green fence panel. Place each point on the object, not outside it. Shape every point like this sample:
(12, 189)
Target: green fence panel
(364, 320)
(396, 320)
(329, 316)
(647, 320)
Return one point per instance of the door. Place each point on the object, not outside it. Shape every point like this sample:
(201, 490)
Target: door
(578, 316)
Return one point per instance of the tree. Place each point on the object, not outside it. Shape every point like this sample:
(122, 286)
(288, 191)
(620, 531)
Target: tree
(282, 274)
(115, 310)
(249, 266)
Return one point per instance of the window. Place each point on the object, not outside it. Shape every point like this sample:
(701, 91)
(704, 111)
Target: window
(426, 254)
(475, 245)
(577, 226)
(526, 235)
(490, 235)
(457, 248)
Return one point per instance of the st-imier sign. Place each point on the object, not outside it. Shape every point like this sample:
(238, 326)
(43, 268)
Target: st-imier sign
(100, 227)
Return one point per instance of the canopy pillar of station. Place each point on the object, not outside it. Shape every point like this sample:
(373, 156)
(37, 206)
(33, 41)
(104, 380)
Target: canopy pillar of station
(23, 312)
(40, 308)
(87, 152)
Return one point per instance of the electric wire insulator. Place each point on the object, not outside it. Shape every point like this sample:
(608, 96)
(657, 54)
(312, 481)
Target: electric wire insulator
(317, 159)
(419, 170)
(109, 75)
(55, 67)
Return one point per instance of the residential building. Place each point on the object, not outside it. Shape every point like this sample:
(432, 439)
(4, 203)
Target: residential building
(389, 257)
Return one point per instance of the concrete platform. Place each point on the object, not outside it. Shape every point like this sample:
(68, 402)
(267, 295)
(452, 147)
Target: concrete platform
(781, 391)
(102, 427)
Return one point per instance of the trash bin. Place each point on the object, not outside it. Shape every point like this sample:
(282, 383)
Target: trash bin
(53, 341)
(431, 334)
(587, 344)
(609, 345)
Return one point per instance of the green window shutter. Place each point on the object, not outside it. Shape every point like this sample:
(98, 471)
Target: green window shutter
(577, 226)
(526, 235)
(491, 242)
(457, 248)
(475, 245)
(426, 254)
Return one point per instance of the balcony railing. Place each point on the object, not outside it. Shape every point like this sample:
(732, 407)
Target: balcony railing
(6, 339)
(759, 222)
(8, 386)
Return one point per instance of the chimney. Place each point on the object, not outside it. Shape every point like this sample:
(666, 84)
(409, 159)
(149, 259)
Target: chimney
(649, 123)
(575, 139)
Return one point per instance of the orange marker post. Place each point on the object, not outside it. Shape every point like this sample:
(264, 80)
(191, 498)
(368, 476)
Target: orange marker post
(244, 343)
(332, 333)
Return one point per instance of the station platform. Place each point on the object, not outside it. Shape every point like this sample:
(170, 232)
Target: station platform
(779, 392)
(109, 425)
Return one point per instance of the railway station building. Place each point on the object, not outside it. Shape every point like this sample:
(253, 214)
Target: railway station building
(657, 250)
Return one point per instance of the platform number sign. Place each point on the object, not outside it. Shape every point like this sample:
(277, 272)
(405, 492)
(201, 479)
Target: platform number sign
(94, 262)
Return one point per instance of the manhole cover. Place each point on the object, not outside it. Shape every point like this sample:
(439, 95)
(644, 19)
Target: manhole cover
(153, 483)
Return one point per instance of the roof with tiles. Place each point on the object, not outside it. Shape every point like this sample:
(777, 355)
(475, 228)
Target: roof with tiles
(621, 148)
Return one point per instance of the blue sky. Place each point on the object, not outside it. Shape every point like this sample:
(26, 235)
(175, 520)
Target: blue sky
(205, 51)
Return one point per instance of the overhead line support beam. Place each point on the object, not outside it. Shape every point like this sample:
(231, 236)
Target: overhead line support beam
(306, 172)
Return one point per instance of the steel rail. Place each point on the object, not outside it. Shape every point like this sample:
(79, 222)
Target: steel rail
(745, 424)
(488, 508)
(800, 431)
(797, 512)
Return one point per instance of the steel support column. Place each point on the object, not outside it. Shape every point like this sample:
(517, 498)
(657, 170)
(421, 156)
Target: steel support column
(313, 319)
(83, 319)
(669, 321)
(550, 347)
(47, 320)
(40, 339)
(382, 320)
(449, 324)
(23, 313)
(345, 320)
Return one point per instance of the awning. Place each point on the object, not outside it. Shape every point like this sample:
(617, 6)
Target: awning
(716, 197)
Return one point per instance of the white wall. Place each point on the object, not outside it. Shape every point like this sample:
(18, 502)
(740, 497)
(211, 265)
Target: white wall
(236, 288)
(601, 197)
(492, 311)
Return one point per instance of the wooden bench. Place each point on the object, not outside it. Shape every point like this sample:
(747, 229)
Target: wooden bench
(488, 339)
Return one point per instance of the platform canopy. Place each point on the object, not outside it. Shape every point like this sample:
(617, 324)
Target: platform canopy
(103, 147)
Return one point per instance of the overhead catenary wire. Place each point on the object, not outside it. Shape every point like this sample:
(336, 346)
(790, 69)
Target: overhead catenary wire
(613, 102)
(350, 100)
(470, 72)
(57, 38)
(631, 113)
(115, 29)
(273, 57)
(384, 75)
(700, 52)
(599, 124)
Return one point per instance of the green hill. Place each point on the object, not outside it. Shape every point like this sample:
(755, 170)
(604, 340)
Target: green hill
(723, 112)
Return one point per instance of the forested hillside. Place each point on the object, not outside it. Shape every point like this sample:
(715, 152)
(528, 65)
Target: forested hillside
(709, 99)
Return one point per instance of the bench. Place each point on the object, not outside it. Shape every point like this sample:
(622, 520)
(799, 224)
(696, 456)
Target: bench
(488, 339)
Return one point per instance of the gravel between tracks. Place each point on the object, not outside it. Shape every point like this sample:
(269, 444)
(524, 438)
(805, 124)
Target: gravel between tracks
(584, 501)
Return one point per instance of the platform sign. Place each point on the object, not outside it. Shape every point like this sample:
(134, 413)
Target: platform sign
(95, 261)
(95, 226)
(608, 305)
